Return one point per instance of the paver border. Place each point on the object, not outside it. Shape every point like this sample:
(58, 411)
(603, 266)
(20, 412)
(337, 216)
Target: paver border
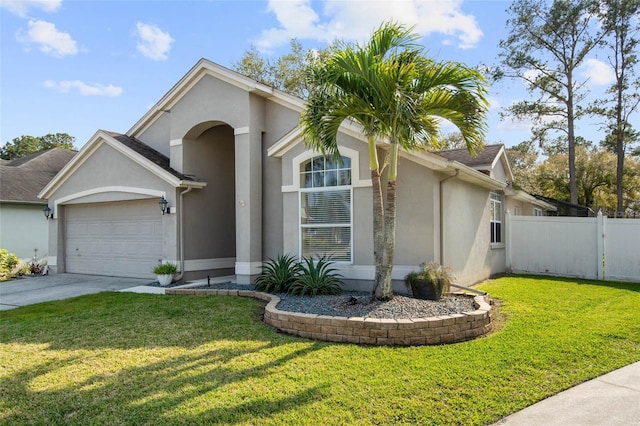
(368, 331)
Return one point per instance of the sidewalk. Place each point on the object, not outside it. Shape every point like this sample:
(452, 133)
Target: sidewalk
(612, 399)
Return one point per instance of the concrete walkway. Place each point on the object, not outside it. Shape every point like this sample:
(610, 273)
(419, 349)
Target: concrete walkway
(30, 290)
(609, 400)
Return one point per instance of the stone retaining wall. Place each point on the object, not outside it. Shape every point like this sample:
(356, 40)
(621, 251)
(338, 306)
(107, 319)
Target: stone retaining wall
(369, 331)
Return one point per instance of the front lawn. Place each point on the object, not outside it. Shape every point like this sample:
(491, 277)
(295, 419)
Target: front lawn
(124, 358)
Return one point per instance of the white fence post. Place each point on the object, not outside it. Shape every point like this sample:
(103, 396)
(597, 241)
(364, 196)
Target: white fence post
(508, 248)
(600, 236)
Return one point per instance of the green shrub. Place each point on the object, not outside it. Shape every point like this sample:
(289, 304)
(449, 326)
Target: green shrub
(165, 269)
(8, 262)
(431, 282)
(278, 275)
(316, 278)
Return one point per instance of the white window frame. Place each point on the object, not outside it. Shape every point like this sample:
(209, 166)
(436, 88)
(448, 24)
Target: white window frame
(537, 211)
(303, 190)
(496, 202)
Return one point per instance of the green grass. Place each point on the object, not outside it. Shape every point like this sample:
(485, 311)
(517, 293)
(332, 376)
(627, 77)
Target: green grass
(123, 358)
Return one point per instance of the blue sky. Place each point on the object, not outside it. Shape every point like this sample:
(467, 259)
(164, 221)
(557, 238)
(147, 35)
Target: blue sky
(78, 66)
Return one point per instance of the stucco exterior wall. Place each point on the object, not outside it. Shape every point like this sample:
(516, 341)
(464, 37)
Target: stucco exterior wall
(467, 240)
(102, 178)
(209, 213)
(24, 229)
(157, 135)
(417, 208)
(209, 100)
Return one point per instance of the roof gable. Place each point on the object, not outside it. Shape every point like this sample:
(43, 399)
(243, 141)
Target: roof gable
(140, 153)
(486, 160)
(204, 68)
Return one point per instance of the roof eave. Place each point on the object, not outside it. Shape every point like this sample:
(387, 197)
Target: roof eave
(94, 143)
(201, 69)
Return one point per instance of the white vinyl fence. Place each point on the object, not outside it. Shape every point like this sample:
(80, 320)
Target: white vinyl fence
(585, 247)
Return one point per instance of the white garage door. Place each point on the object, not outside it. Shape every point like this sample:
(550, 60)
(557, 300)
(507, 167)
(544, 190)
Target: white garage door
(122, 239)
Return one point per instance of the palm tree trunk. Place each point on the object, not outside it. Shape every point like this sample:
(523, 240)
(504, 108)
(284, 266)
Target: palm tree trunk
(378, 228)
(384, 291)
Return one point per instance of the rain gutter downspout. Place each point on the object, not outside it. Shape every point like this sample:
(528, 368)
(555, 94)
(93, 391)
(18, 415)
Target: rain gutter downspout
(181, 232)
(442, 181)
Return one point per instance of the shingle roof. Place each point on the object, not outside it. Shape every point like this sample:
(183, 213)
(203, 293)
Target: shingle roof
(23, 178)
(485, 157)
(149, 153)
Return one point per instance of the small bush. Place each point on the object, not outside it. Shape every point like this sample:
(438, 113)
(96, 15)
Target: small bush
(431, 282)
(316, 278)
(278, 275)
(8, 262)
(165, 269)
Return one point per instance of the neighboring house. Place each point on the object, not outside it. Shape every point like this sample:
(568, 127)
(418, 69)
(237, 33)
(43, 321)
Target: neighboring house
(564, 208)
(23, 226)
(228, 155)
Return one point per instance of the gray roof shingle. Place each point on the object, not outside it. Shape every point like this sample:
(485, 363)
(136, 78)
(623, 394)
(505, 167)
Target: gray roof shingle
(149, 153)
(23, 178)
(485, 157)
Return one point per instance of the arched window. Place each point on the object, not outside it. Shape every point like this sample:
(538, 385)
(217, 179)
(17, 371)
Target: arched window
(326, 208)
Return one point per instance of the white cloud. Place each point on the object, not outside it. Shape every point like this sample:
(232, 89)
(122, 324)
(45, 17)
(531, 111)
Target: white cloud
(49, 39)
(153, 43)
(23, 7)
(598, 72)
(83, 88)
(355, 20)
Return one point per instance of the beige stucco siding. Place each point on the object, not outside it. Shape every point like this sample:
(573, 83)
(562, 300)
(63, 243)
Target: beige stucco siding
(107, 176)
(107, 168)
(157, 135)
(467, 246)
(499, 172)
(209, 213)
(416, 193)
(209, 100)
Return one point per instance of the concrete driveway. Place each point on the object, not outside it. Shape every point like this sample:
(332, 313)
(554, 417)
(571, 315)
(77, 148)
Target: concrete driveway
(27, 291)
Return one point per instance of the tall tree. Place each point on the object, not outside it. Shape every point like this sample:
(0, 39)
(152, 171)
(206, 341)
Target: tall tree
(620, 19)
(545, 45)
(286, 73)
(395, 93)
(25, 145)
(595, 169)
(523, 158)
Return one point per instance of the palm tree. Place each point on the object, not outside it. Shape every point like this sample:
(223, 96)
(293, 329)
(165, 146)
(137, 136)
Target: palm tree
(395, 93)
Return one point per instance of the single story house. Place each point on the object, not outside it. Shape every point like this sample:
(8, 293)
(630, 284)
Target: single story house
(227, 154)
(23, 226)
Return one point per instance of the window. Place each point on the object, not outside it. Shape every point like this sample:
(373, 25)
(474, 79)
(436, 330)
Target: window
(537, 212)
(325, 208)
(496, 217)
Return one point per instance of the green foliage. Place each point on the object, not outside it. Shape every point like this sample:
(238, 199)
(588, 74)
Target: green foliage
(286, 73)
(278, 275)
(393, 90)
(317, 277)
(25, 145)
(433, 275)
(165, 268)
(8, 263)
(307, 278)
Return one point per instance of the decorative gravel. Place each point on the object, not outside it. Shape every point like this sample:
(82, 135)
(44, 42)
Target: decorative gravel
(363, 305)
(359, 304)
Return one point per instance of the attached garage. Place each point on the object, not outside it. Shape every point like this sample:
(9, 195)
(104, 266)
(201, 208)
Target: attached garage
(121, 239)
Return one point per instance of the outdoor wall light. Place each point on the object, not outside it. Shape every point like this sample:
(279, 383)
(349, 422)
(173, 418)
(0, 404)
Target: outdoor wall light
(48, 213)
(163, 205)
